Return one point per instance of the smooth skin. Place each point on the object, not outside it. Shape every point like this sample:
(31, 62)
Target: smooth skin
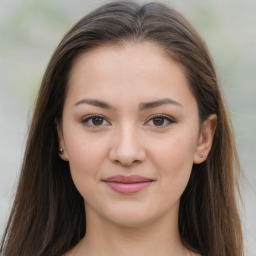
(129, 111)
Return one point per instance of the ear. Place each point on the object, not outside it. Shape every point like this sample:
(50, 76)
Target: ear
(64, 154)
(205, 139)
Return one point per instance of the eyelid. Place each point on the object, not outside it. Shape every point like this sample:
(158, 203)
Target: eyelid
(166, 117)
(169, 119)
(91, 116)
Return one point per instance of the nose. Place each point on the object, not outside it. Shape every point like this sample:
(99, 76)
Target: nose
(127, 148)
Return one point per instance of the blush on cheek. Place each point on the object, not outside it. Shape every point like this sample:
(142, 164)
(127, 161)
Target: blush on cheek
(84, 160)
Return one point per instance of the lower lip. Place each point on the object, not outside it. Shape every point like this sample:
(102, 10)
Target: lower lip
(128, 188)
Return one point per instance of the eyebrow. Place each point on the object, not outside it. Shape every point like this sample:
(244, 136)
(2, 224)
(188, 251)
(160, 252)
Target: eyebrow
(157, 103)
(142, 106)
(94, 102)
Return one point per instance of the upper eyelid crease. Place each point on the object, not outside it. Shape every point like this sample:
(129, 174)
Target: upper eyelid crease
(166, 117)
(93, 116)
(89, 117)
(163, 116)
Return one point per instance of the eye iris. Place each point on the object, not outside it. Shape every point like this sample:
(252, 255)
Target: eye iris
(97, 120)
(158, 121)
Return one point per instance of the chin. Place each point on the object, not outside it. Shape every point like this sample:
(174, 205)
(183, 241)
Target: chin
(132, 221)
(132, 216)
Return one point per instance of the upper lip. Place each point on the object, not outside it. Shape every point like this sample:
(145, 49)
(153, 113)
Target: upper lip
(127, 179)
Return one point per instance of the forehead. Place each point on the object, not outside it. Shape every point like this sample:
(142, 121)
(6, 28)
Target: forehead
(128, 70)
(123, 51)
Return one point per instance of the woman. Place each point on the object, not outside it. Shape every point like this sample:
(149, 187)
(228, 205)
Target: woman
(130, 150)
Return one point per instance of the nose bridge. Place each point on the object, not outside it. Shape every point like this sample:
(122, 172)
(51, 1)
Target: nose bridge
(127, 146)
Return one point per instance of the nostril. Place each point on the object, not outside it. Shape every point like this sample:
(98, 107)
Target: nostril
(126, 158)
(127, 163)
(127, 148)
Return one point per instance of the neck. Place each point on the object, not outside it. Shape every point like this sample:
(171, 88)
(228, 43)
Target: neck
(103, 238)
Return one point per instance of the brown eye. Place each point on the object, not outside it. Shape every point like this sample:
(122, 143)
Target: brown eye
(97, 121)
(158, 121)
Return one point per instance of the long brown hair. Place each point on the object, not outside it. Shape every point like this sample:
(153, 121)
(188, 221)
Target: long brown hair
(48, 216)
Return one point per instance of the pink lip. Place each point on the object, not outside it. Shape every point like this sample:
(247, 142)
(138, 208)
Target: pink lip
(127, 184)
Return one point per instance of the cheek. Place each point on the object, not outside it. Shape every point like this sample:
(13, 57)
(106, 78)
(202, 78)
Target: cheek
(176, 150)
(86, 155)
(84, 167)
(86, 158)
(174, 160)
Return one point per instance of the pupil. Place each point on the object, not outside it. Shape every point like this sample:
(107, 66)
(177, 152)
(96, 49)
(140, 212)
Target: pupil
(158, 121)
(97, 120)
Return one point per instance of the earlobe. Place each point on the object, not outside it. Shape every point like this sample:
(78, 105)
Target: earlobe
(205, 139)
(62, 148)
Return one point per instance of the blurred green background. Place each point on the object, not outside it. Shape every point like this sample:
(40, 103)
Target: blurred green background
(30, 31)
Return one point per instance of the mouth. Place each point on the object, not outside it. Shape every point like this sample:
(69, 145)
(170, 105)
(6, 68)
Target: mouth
(128, 184)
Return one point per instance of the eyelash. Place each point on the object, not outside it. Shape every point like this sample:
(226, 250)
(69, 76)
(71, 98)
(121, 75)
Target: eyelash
(164, 117)
(90, 117)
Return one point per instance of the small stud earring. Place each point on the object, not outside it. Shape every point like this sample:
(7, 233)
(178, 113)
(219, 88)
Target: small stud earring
(200, 155)
(60, 151)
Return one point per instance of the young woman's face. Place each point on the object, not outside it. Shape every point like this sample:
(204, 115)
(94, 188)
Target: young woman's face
(130, 132)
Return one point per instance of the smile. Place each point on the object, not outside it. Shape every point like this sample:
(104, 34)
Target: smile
(127, 184)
